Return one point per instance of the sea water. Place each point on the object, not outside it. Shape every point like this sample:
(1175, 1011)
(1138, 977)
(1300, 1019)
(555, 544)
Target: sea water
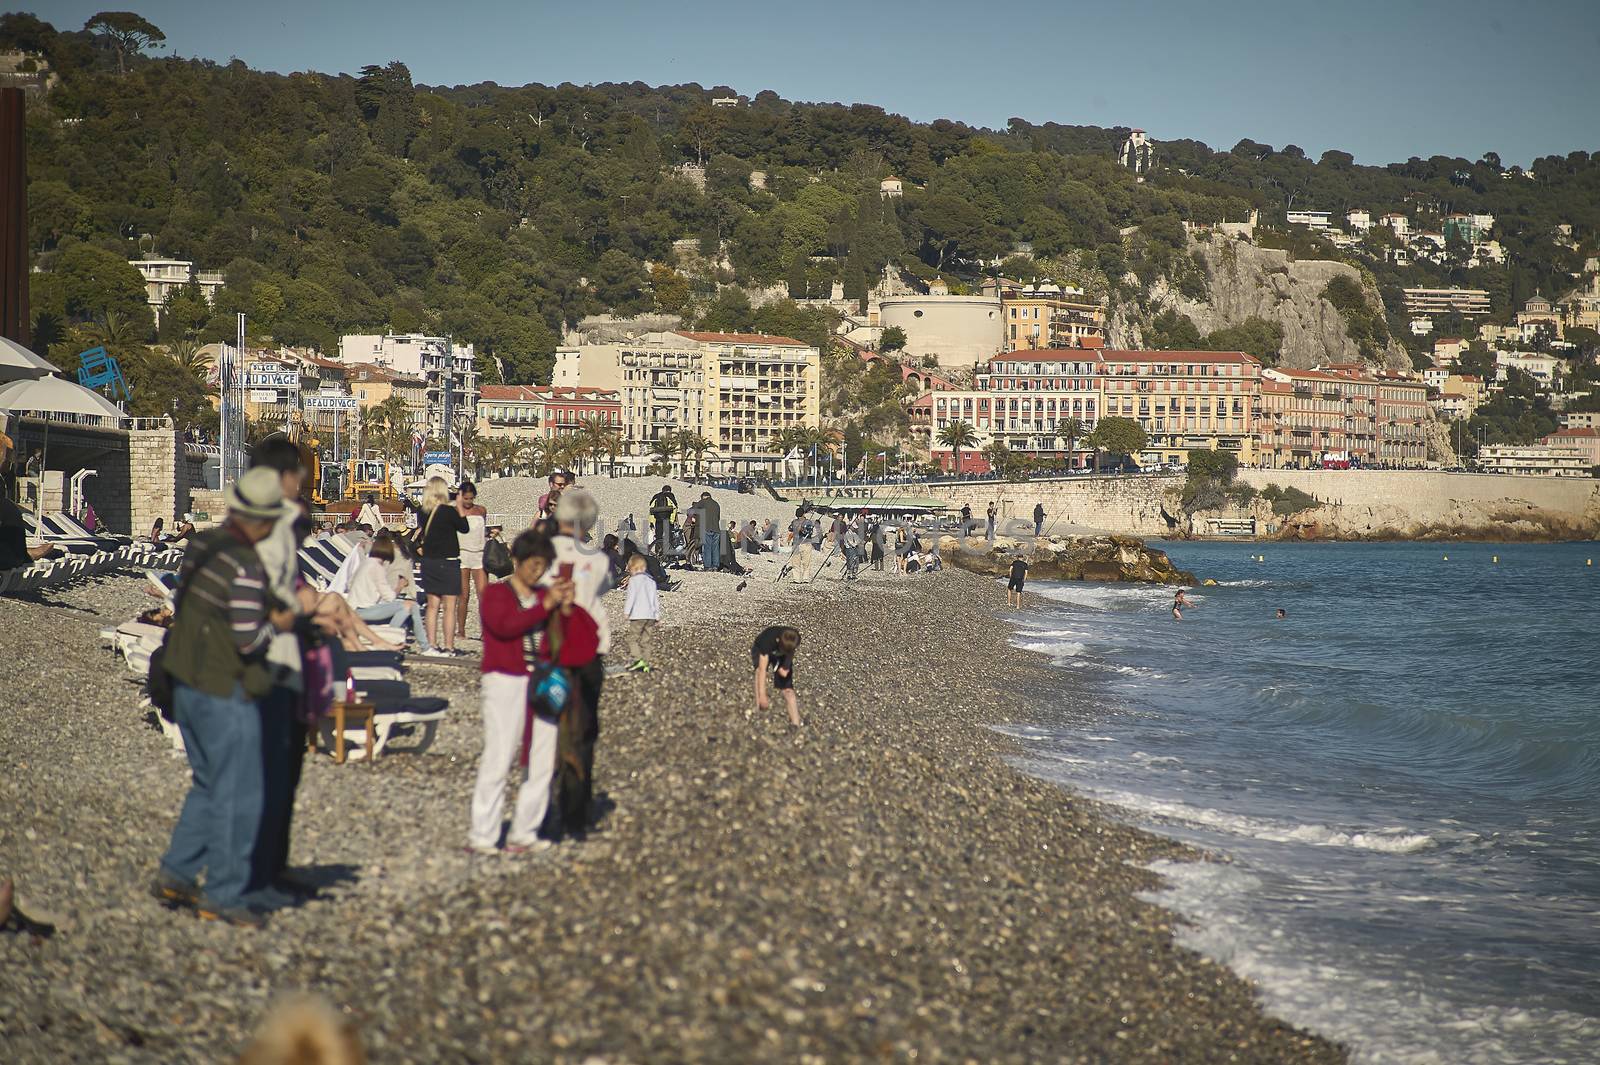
(1404, 775)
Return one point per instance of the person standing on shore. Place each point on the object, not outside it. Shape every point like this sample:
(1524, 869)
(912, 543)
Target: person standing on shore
(1019, 573)
(992, 513)
(513, 611)
(472, 541)
(966, 518)
(710, 532)
(775, 649)
(442, 524)
(283, 725)
(558, 482)
(1038, 519)
(216, 656)
(576, 514)
(644, 614)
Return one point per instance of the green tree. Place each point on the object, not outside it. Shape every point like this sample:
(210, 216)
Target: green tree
(958, 436)
(892, 339)
(670, 288)
(95, 281)
(126, 33)
(1071, 429)
(1117, 436)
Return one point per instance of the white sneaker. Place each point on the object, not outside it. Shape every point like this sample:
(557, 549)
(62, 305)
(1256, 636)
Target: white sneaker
(434, 652)
(536, 847)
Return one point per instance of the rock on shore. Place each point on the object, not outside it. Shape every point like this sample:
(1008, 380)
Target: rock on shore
(1074, 558)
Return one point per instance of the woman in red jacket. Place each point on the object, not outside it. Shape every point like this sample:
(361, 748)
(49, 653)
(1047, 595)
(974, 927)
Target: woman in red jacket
(515, 612)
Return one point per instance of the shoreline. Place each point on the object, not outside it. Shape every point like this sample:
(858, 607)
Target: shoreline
(887, 884)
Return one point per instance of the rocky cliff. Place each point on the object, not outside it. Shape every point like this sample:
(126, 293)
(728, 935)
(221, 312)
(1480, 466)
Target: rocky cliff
(1246, 281)
(1066, 558)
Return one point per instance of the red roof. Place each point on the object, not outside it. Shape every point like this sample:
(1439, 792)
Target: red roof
(508, 393)
(1048, 355)
(1580, 431)
(546, 393)
(742, 338)
(1321, 375)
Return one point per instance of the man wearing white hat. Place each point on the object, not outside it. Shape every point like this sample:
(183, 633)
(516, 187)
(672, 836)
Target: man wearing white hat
(216, 657)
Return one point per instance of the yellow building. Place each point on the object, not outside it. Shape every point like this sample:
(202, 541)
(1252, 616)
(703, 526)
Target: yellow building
(1048, 316)
(1184, 400)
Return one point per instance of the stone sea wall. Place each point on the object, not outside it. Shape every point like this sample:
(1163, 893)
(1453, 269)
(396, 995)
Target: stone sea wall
(1358, 504)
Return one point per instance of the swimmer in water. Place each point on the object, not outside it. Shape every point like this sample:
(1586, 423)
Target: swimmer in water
(1178, 603)
(1282, 614)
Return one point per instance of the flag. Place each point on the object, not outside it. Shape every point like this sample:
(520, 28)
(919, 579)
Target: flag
(416, 438)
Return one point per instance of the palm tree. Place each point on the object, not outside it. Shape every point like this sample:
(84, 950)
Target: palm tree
(1071, 428)
(535, 454)
(694, 444)
(189, 357)
(664, 449)
(956, 436)
(598, 437)
(395, 418)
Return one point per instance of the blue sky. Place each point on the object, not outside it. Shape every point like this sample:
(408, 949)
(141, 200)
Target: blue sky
(1382, 79)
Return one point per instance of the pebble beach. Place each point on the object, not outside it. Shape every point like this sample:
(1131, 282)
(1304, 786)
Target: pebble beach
(881, 884)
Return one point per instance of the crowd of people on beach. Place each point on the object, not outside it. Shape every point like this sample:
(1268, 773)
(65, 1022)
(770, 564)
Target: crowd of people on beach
(247, 685)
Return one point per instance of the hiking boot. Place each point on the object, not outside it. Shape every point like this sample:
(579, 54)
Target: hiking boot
(174, 892)
(239, 916)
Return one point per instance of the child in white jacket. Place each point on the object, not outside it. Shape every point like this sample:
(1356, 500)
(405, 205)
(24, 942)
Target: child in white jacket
(644, 613)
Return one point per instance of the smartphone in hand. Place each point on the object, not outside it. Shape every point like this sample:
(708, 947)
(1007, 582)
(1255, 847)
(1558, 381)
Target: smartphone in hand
(565, 571)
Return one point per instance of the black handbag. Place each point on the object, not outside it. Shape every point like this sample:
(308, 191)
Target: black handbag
(497, 559)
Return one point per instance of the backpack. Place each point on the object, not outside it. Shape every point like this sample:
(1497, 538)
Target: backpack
(497, 559)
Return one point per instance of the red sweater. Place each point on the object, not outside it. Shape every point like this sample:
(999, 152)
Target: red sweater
(506, 623)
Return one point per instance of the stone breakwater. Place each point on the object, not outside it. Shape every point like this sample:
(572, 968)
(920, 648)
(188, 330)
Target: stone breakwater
(882, 885)
(1073, 558)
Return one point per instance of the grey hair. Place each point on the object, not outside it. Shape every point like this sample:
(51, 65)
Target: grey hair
(577, 508)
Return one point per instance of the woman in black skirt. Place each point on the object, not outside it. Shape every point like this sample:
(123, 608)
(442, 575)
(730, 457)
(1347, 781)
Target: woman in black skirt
(441, 524)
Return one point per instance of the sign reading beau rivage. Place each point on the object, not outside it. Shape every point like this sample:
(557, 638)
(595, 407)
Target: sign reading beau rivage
(326, 402)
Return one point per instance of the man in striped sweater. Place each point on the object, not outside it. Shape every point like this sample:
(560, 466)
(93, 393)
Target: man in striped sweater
(216, 656)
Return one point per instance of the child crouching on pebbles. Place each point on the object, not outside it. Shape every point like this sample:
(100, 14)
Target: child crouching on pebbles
(513, 612)
(775, 647)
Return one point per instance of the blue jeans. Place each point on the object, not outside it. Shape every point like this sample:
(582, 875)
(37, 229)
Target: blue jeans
(711, 550)
(216, 830)
(419, 625)
(391, 613)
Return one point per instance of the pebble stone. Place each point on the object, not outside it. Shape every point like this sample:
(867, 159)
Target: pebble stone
(882, 884)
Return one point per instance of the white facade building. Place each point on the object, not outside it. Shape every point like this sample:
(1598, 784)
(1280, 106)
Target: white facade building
(437, 360)
(163, 277)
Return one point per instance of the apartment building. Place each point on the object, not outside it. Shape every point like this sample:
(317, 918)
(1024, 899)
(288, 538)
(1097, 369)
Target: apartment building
(163, 277)
(1460, 395)
(1048, 316)
(1464, 301)
(373, 385)
(448, 369)
(1403, 417)
(1185, 400)
(1585, 440)
(1542, 368)
(1307, 415)
(740, 391)
(1021, 400)
(1533, 460)
(527, 411)
(1313, 219)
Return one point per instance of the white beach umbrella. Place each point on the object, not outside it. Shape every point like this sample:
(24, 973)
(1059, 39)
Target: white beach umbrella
(57, 395)
(18, 363)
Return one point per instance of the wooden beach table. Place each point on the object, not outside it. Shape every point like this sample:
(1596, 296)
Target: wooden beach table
(342, 711)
